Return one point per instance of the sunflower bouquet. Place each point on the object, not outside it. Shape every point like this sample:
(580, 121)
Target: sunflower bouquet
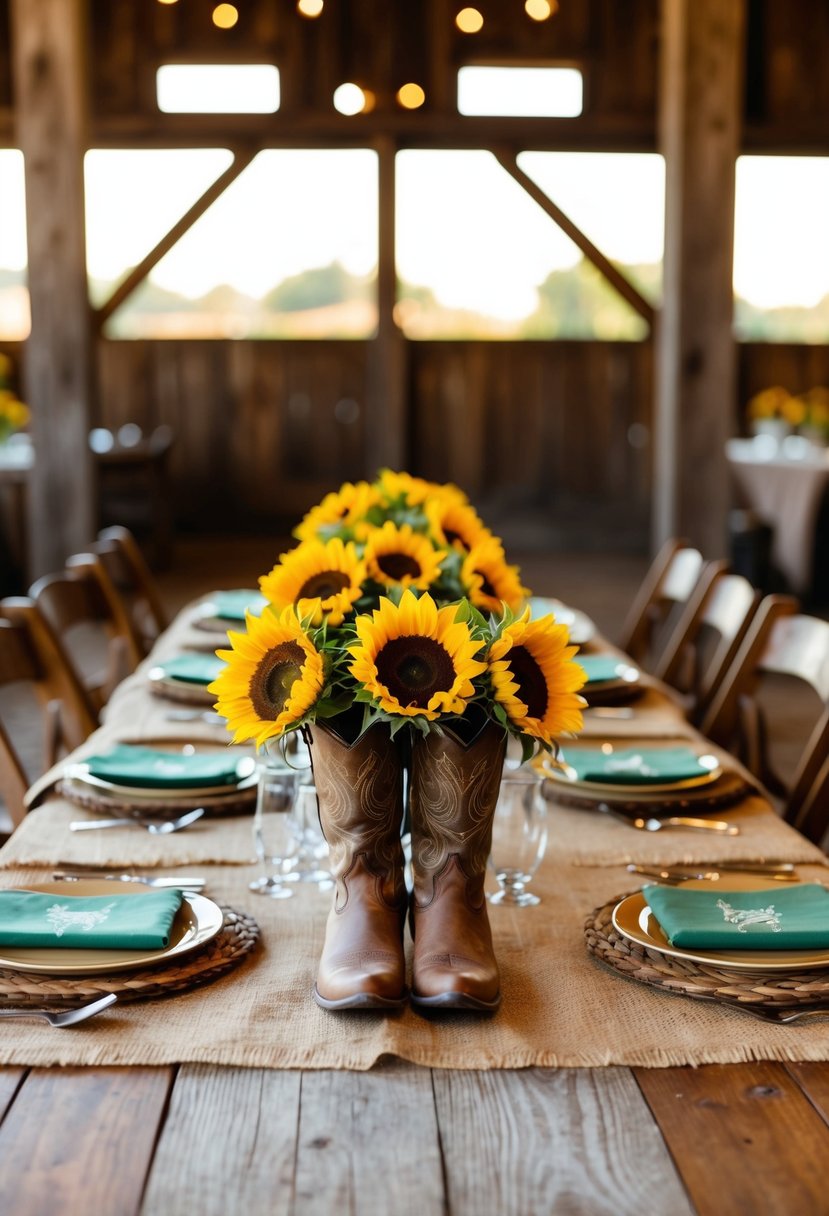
(398, 606)
(14, 415)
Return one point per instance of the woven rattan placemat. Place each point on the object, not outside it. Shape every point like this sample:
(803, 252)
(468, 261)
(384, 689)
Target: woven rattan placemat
(234, 803)
(236, 939)
(700, 981)
(727, 790)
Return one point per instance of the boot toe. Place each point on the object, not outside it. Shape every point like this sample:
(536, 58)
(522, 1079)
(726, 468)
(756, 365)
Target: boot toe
(368, 979)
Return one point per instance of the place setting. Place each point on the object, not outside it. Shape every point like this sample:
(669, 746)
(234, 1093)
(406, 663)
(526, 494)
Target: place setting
(226, 610)
(642, 780)
(754, 937)
(611, 680)
(186, 677)
(68, 942)
(140, 781)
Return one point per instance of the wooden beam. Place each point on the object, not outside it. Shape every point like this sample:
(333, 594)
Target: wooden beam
(385, 423)
(127, 286)
(48, 40)
(701, 105)
(614, 276)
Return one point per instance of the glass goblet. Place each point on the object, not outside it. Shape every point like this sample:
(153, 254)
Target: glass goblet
(312, 849)
(273, 839)
(519, 836)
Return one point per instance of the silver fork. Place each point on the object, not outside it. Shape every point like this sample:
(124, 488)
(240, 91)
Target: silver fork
(781, 1017)
(672, 821)
(68, 1017)
(157, 827)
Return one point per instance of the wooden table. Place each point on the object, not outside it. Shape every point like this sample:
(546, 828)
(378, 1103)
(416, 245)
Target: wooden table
(742, 1138)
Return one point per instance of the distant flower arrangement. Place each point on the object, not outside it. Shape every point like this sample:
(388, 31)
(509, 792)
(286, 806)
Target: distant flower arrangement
(14, 415)
(807, 411)
(398, 602)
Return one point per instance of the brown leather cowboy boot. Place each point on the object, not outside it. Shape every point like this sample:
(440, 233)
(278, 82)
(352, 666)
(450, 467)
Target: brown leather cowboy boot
(360, 795)
(454, 789)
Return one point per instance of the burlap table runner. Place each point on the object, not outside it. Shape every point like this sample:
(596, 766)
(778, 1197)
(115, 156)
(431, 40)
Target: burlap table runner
(576, 837)
(560, 1008)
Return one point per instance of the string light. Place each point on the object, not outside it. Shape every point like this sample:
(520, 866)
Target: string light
(349, 98)
(309, 8)
(166, 1)
(540, 10)
(411, 96)
(469, 21)
(225, 16)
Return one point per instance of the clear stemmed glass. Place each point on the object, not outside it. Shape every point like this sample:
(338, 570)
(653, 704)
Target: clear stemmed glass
(312, 849)
(273, 838)
(519, 836)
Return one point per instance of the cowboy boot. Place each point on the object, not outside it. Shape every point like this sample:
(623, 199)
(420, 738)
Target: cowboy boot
(453, 794)
(360, 797)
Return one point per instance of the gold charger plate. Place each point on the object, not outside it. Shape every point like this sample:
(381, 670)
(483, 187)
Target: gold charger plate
(179, 690)
(631, 789)
(197, 921)
(632, 917)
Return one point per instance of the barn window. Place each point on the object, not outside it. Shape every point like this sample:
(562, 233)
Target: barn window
(208, 88)
(781, 249)
(478, 258)
(288, 250)
(14, 295)
(520, 92)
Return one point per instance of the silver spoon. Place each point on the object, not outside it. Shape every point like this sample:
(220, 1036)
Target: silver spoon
(158, 827)
(68, 1017)
(672, 821)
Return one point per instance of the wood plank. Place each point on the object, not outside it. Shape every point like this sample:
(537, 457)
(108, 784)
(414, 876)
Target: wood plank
(545, 1140)
(79, 1140)
(744, 1138)
(228, 1145)
(49, 38)
(701, 100)
(10, 1081)
(368, 1144)
(813, 1079)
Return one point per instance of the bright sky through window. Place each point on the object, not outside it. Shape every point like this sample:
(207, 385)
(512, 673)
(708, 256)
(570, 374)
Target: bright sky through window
(202, 88)
(520, 92)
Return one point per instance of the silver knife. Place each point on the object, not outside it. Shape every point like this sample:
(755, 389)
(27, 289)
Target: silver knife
(185, 881)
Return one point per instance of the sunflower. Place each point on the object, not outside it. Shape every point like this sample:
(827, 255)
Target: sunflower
(489, 580)
(534, 677)
(413, 490)
(401, 557)
(415, 658)
(323, 580)
(453, 522)
(274, 676)
(341, 508)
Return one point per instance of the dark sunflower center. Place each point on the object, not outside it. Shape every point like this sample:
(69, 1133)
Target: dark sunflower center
(273, 679)
(486, 585)
(414, 669)
(397, 565)
(532, 686)
(451, 537)
(323, 585)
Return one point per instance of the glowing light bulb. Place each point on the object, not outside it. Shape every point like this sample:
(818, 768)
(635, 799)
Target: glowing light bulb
(411, 96)
(349, 98)
(469, 21)
(540, 10)
(225, 16)
(309, 8)
(166, 1)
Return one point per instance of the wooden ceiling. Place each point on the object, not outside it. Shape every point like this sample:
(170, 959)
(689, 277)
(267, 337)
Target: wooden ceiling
(382, 45)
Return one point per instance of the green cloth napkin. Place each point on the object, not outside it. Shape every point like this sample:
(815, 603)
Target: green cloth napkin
(796, 918)
(193, 668)
(95, 922)
(232, 605)
(636, 765)
(127, 764)
(599, 667)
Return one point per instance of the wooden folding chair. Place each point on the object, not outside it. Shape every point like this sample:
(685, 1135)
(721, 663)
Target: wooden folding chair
(708, 636)
(676, 574)
(131, 576)
(88, 616)
(55, 708)
(781, 646)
